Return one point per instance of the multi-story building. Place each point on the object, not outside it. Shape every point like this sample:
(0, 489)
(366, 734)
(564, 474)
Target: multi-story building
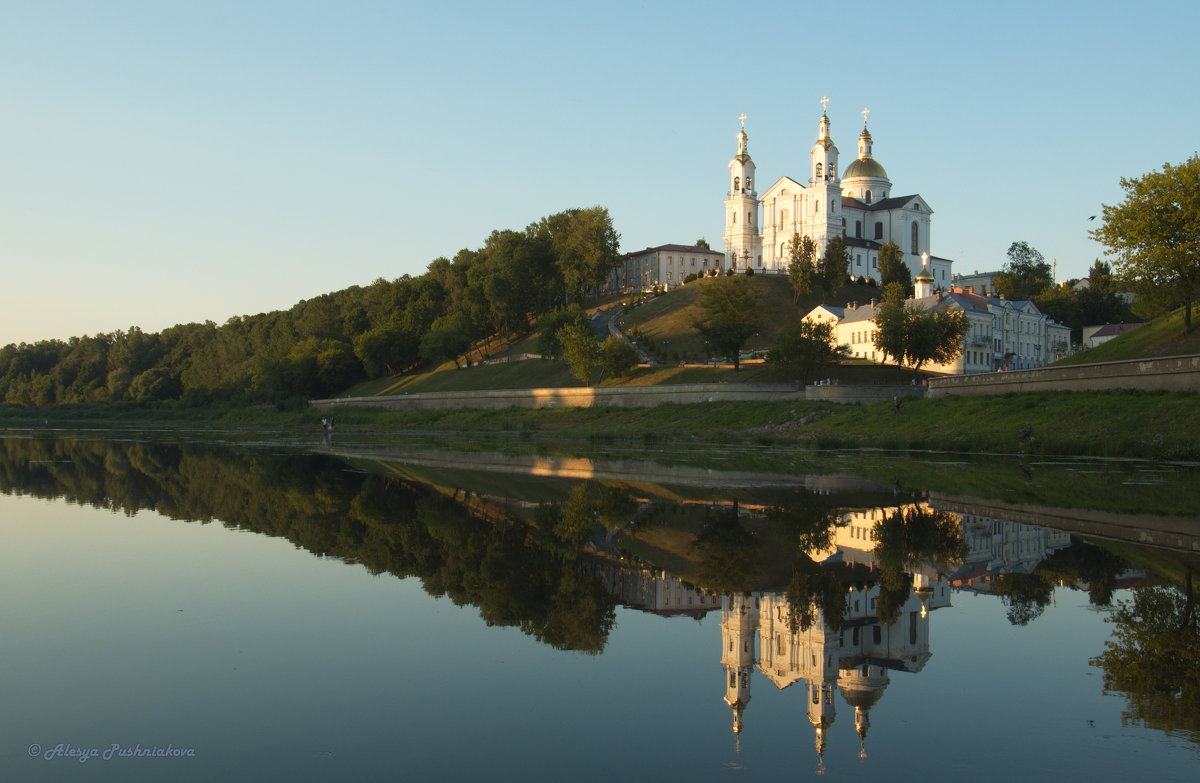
(666, 266)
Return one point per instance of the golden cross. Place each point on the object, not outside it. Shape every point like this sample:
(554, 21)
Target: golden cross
(742, 117)
(864, 113)
(824, 105)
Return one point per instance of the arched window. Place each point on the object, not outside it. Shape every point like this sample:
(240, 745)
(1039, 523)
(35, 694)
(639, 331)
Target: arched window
(783, 249)
(818, 171)
(750, 217)
(916, 234)
(832, 206)
(868, 197)
(833, 171)
(735, 218)
(737, 184)
(858, 229)
(816, 205)
(783, 218)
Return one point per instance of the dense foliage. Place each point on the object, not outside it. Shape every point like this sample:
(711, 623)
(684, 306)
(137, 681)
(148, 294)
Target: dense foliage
(1155, 235)
(729, 316)
(325, 344)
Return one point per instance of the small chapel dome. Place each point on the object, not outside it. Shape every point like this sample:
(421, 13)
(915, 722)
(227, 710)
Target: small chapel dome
(864, 167)
(862, 698)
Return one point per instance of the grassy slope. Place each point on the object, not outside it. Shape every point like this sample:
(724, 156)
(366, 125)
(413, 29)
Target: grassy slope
(668, 319)
(1161, 337)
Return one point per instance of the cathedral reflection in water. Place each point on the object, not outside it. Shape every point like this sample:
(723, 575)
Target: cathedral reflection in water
(857, 656)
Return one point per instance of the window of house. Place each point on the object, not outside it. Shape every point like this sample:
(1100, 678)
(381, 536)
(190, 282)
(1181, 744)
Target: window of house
(858, 259)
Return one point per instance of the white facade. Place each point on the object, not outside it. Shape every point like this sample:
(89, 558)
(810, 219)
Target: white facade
(665, 265)
(858, 206)
(1002, 334)
(820, 662)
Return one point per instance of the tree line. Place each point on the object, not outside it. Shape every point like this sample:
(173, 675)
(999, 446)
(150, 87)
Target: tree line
(325, 344)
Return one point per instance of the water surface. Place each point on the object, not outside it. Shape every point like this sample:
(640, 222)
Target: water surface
(359, 614)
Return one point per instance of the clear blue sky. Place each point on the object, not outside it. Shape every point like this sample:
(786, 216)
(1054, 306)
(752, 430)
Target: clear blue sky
(166, 162)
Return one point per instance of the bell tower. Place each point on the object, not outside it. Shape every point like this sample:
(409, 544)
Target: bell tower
(742, 240)
(739, 620)
(824, 185)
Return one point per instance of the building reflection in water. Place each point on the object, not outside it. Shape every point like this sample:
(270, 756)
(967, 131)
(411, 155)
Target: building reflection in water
(654, 591)
(857, 659)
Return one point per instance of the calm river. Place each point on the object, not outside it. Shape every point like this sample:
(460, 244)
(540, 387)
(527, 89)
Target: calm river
(202, 612)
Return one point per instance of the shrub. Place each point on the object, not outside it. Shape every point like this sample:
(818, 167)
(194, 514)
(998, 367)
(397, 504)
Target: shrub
(749, 271)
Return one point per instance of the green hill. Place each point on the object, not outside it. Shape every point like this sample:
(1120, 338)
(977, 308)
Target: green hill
(1163, 336)
(667, 321)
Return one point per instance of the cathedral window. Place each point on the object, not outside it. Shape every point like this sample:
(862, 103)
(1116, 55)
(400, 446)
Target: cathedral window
(783, 218)
(868, 197)
(735, 218)
(858, 229)
(737, 184)
(833, 171)
(832, 206)
(750, 217)
(819, 171)
(879, 230)
(916, 234)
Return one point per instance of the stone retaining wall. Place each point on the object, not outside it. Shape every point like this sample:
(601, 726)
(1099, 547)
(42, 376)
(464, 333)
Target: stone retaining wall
(1168, 373)
(862, 395)
(572, 397)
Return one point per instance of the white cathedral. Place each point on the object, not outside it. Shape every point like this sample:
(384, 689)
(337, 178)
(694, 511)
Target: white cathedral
(857, 205)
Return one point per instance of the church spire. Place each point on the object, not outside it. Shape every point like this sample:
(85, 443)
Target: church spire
(824, 153)
(864, 138)
(923, 287)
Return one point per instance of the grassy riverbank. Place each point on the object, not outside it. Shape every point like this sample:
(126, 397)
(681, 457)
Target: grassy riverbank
(1103, 424)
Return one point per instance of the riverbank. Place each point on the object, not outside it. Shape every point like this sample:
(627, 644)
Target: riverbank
(1151, 425)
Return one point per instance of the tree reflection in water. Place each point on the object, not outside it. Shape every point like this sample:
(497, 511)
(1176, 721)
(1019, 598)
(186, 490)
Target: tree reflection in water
(787, 567)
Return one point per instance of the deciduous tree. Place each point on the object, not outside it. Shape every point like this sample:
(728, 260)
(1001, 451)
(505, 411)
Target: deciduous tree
(617, 357)
(729, 316)
(833, 266)
(892, 268)
(580, 350)
(803, 348)
(801, 274)
(1155, 235)
(1026, 274)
